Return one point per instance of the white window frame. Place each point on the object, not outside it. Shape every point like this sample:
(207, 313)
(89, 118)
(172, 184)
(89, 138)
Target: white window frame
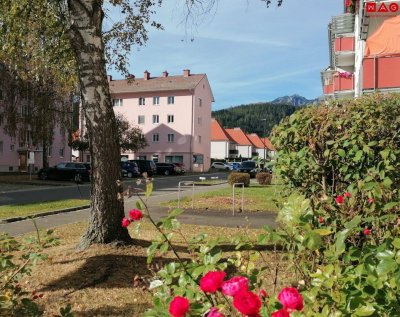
(156, 101)
(156, 137)
(170, 118)
(140, 117)
(171, 100)
(156, 119)
(171, 137)
(118, 102)
(142, 101)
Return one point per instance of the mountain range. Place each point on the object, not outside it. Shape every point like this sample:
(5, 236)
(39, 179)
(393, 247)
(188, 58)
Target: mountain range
(295, 100)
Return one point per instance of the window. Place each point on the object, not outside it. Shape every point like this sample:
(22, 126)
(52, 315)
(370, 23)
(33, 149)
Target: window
(142, 101)
(199, 138)
(171, 100)
(156, 100)
(156, 118)
(1, 119)
(11, 147)
(155, 158)
(198, 159)
(1, 94)
(170, 118)
(142, 157)
(140, 120)
(117, 102)
(61, 152)
(173, 159)
(200, 102)
(199, 120)
(156, 137)
(171, 137)
(1, 146)
(49, 151)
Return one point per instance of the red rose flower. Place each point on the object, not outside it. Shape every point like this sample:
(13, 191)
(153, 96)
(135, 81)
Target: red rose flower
(214, 312)
(370, 200)
(178, 306)
(339, 199)
(212, 281)
(291, 299)
(125, 222)
(321, 220)
(367, 232)
(234, 285)
(247, 303)
(262, 294)
(135, 214)
(347, 194)
(280, 313)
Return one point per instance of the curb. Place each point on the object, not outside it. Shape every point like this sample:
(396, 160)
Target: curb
(43, 214)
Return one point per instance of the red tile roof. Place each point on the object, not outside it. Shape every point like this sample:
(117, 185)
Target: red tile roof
(238, 136)
(268, 144)
(218, 132)
(138, 85)
(256, 140)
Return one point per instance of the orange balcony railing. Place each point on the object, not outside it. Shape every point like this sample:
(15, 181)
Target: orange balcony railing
(381, 72)
(344, 44)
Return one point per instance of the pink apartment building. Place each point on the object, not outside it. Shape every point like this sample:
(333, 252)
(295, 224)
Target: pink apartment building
(364, 50)
(174, 113)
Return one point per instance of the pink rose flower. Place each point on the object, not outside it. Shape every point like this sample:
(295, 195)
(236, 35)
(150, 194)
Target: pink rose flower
(280, 313)
(179, 306)
(234, 285)
(212, 281)
(247, 303)
(321, 220)
(214, 312)
(339, 199)
(367, 232)
(125, 222)
(370, 200)
(135, 214)
(347, 194)
(291, 299)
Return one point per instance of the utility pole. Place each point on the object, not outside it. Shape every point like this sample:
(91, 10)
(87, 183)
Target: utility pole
(265, 147)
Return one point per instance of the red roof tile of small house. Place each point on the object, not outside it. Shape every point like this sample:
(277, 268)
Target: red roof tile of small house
(218, 132)
(256, 140)
(238, 136)
(268, 144)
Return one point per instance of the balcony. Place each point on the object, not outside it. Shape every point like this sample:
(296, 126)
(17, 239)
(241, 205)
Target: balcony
(342, 24)
(381, 73)
(327, 81)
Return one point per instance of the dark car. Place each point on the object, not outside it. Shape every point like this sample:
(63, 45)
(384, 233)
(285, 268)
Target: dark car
(131, 168)
(249, 167)
(167, 169)
(181, 167)
(147, 166)
(69, 171)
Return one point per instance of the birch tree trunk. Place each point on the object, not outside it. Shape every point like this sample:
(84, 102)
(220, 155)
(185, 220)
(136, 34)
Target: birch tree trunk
(86, 39)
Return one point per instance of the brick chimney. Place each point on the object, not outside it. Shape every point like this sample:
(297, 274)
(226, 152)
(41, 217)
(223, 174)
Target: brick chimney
(186, 72)
(146, 75)
(165, 74)
(109, 78)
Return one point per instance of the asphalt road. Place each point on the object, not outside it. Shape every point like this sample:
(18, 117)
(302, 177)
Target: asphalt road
(82, 191)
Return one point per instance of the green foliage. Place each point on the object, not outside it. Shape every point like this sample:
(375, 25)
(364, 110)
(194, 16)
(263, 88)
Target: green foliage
(236, 177)
(247, 117)
(264, 178)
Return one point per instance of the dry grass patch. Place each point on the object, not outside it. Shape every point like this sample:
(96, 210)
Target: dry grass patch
(112, 281)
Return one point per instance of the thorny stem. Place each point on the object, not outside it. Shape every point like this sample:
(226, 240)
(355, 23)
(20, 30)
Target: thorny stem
(172, 248)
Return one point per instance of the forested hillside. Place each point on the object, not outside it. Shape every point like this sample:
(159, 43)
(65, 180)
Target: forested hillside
(248, 117)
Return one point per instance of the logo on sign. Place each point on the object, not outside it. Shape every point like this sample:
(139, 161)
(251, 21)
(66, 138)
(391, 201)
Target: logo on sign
(381, 8)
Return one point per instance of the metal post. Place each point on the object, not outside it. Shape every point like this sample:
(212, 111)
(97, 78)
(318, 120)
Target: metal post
(265, 146)
(179, 190)
(233, 196)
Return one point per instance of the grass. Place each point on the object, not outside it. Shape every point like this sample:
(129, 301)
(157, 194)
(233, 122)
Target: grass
(255, 198)
(8, 211)
(113, 281)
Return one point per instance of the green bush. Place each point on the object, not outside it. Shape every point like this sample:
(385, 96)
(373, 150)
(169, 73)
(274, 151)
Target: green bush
(264, 178)
(239, 178)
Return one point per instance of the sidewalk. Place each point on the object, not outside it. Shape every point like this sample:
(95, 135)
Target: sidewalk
(211, 218)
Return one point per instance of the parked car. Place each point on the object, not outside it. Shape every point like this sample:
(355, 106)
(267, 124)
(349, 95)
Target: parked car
(249, 167)
(167, 169)
(220, 166)
(147, 166)
(70, 171)
(181, 166)
(123, 173)
(132, 169)
(234, 165)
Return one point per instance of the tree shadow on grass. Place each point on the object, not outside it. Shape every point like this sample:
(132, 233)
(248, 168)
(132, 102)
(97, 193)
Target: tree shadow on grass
(127, 310)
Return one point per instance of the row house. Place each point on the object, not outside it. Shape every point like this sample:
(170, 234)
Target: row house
(364, 50)
(174, 114)
(18, 153)
(233, 144)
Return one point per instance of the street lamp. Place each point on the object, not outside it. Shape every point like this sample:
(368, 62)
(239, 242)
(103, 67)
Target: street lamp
(265, 146)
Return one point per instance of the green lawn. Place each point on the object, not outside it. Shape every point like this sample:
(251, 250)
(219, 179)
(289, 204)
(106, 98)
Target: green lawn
(256, 198)
(8, 211)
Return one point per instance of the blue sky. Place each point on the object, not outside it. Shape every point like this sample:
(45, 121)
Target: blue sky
(249, 52)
